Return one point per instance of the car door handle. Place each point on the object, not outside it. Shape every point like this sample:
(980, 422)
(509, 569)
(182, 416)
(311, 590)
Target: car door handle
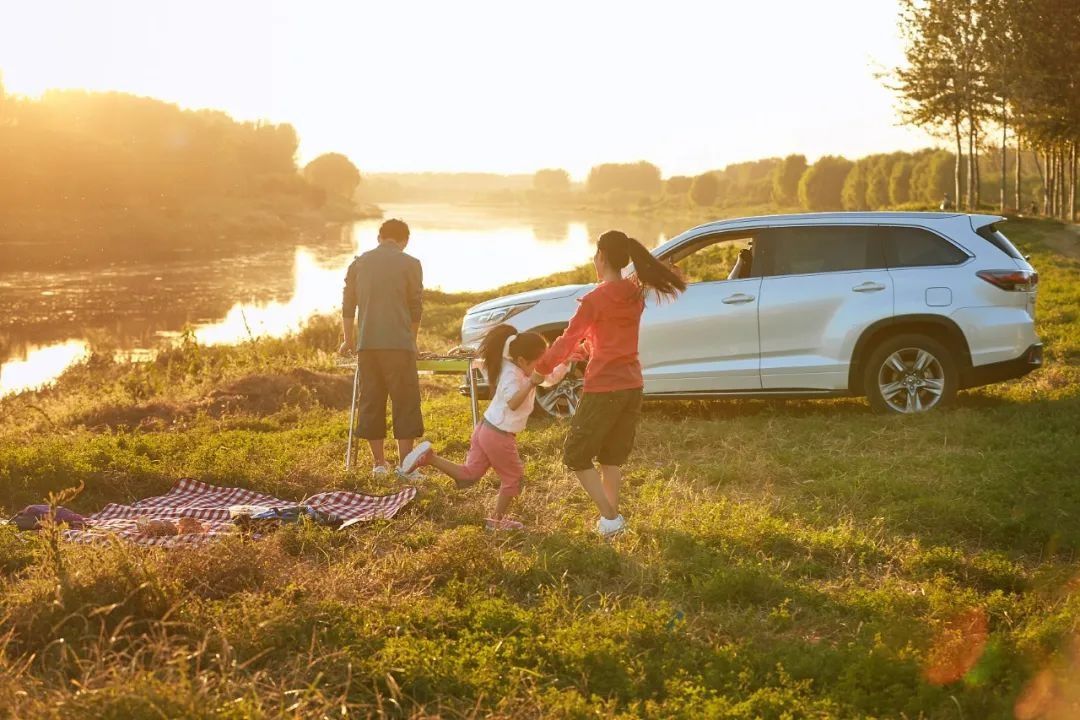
(738, 299)
(868, 287)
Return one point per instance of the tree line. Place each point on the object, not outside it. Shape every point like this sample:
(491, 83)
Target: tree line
(77, 150)
(1003, 73)
(908, 180)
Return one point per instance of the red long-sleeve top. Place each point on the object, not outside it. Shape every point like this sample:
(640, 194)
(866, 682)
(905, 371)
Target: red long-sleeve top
(607, 319)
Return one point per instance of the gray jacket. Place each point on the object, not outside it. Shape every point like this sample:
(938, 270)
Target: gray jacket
(383, 290)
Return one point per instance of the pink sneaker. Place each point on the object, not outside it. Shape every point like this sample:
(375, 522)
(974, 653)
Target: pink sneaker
(418, 458)
(503, 524)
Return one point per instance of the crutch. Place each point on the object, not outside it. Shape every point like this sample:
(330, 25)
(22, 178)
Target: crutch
(352, 415)
(472, 394)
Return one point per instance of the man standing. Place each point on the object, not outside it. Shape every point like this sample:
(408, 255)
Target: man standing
(385, 286)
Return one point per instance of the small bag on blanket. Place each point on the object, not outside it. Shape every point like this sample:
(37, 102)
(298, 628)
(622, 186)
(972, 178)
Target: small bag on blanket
(32, 516)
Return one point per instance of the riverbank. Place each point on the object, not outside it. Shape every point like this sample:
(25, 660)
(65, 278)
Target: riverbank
(806, 558)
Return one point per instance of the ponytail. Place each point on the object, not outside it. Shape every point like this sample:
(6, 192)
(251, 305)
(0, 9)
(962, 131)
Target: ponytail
(620, 250)
(495, 348)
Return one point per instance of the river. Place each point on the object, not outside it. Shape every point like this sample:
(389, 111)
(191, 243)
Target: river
(52, 320)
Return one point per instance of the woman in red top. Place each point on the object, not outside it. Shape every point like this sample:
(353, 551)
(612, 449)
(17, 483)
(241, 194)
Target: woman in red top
(607, 321)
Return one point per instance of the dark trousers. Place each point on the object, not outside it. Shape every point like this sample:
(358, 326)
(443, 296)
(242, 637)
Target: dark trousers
(603, 429)
(388, 374)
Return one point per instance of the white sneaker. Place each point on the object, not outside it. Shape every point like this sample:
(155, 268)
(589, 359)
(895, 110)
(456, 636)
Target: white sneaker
(380, 470)
(415, 459)
(610, 528)
(414, 476)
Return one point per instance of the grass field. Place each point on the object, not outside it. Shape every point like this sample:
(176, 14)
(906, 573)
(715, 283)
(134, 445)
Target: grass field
(784, 560)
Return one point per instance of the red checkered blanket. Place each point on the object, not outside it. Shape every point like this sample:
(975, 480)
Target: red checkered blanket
(210, 505)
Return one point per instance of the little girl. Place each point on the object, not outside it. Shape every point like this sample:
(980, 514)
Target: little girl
(510, 360)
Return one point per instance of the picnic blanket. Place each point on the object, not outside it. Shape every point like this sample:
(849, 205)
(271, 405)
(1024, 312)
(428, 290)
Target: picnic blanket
(210, 505)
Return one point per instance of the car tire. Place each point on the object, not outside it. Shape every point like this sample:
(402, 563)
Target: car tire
(910, 374)
(561, 401)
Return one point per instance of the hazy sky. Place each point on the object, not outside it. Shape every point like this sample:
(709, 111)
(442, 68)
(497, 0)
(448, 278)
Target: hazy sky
(503, 85)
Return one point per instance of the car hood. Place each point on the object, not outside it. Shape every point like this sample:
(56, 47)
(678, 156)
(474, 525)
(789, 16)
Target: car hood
(531, 296)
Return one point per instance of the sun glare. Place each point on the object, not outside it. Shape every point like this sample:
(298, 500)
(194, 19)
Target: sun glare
(512, 89)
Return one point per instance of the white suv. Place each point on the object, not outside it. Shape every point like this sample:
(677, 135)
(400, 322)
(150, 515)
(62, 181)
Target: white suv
(903, 308)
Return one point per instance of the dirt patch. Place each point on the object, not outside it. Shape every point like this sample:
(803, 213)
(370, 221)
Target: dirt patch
(258, 395)
(264, 394)
(261, 394)
(151, 416)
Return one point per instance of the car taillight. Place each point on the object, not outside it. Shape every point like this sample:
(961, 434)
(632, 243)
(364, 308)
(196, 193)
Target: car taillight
(1011, 280)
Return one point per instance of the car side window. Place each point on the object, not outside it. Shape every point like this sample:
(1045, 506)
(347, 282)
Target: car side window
(915, 247)
(822, 249)
(710, 261)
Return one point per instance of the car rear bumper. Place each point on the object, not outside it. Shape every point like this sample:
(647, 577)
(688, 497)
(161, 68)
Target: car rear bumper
(1031, 359)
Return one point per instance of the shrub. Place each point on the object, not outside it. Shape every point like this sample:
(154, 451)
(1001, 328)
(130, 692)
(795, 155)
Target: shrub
(785, 180)
(853, 194)
(678, 185)
(551, 180)
(704, 189)
(899, 182)
(820, 185)
(877, 185)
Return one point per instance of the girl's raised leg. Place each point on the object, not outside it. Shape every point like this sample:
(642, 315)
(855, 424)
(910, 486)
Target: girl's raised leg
(460, 474)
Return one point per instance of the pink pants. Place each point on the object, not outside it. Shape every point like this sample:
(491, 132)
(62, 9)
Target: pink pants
(492, 448)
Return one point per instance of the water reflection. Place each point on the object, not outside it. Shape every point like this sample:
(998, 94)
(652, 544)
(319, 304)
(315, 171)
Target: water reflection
(550, 230)
(316, 290)
(270, 293)
(40, 365)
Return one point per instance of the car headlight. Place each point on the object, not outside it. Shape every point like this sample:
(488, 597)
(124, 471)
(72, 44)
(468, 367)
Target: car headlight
(478, 323)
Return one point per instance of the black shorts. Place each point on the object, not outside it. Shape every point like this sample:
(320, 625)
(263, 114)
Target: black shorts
(388, 374)
(603, 429)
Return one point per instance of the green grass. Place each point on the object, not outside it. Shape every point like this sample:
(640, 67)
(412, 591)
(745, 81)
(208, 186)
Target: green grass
(785, 560)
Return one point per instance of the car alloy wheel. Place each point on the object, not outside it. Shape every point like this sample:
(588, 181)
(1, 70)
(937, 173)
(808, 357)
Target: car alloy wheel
(562, 400)
(911, 380)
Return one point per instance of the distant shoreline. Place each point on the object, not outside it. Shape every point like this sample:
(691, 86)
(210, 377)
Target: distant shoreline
(38, 239)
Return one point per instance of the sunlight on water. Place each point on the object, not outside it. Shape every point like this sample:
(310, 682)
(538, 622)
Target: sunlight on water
(466, 261)
(315, 290)
(40, 366)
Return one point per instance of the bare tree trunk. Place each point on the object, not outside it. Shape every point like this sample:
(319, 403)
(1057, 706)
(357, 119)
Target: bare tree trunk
(959, 161)
(1064, 168)
(1050, 164)
(1057, 181)
(1055, 186)
(1016, 176)
(971, 164)
(977, 180)
(1004, 160)
(1051, 180)
(1072, 182)
(1059, 203)
(1045, 182)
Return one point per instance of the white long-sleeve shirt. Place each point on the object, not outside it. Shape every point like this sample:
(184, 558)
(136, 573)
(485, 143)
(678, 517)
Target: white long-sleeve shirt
(511, 381)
